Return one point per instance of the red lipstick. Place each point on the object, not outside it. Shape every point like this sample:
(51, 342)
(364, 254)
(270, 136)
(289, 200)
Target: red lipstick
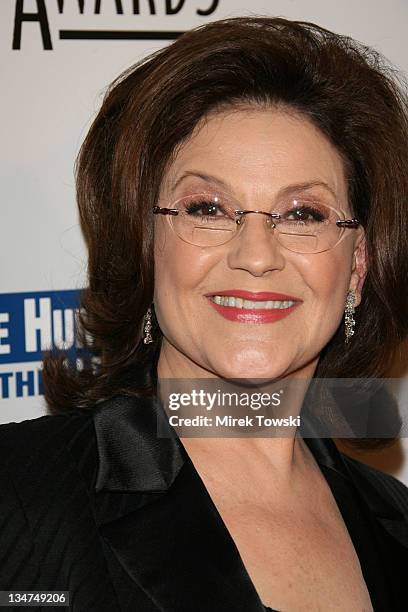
(254, 315)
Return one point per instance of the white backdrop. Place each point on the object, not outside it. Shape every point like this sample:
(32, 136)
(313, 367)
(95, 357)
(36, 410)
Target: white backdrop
(54, 71)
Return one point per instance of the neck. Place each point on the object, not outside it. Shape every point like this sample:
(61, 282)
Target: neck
(242, 460)
(256, 469)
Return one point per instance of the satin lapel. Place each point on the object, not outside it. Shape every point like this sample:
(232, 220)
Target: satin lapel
(180, 553)
(131, 455)
(135, 467)
(384, 511)
(164, 530)
(388, 515)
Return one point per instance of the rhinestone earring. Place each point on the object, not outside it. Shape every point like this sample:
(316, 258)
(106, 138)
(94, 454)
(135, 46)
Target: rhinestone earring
(349, 310)
(147, 326)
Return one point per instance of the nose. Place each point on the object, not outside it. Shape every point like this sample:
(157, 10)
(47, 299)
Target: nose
(256, 248)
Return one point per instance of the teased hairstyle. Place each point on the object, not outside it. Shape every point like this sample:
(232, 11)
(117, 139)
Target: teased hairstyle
(344, 87)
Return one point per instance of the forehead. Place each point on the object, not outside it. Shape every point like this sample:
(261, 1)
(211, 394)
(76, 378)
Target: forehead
(259, 150)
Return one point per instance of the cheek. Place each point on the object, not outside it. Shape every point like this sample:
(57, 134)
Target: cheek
(328, 276)
(167, 272)
(168, 259)
(179, 268)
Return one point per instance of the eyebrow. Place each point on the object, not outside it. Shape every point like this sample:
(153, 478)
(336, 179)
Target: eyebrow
(292, 188)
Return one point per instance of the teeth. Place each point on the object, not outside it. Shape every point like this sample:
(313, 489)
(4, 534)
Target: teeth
(236, 302)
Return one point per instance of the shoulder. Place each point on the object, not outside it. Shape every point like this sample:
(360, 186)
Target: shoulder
(34, 432)
(389, 487)
(41, 447)
(48, 525)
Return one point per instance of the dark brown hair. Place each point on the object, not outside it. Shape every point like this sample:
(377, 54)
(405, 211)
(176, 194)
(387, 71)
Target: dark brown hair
(344, 87)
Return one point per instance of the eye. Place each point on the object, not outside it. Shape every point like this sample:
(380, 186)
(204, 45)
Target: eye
(306, 213)
(205, 207)
(202, 208)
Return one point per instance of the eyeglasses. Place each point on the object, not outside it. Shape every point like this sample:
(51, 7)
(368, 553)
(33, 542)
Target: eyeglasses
(302, 224)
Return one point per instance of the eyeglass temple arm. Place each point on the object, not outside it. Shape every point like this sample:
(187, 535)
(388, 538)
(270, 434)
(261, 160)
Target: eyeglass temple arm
(165, 211)
(348, 222)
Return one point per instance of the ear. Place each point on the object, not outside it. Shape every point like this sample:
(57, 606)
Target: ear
(360, 266)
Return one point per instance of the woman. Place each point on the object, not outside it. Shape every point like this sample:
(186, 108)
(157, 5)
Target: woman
(243, 197)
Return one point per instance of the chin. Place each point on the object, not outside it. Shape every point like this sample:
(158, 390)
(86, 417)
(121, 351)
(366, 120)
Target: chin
(250, 369)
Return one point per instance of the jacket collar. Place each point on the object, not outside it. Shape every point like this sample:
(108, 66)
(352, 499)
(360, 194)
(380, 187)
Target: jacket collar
(157, 517)
(327, 455)
(132, 458)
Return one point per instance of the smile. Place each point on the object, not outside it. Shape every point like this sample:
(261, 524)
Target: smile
(242, 309)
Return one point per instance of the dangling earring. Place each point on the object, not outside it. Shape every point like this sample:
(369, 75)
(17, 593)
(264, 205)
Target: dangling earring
(147, 326)
(349, 310)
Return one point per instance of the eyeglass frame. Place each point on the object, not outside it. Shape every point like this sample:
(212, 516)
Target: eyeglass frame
(353, 223)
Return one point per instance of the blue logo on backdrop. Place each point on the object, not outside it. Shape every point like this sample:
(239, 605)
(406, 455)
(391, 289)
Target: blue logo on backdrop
(29, 324)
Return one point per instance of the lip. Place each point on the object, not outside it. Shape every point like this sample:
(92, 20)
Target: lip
(266, 315)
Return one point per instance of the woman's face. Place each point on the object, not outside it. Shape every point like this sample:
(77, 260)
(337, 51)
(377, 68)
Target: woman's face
(252, 155)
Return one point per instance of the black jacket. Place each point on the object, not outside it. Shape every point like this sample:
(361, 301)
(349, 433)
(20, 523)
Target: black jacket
(96, 504)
